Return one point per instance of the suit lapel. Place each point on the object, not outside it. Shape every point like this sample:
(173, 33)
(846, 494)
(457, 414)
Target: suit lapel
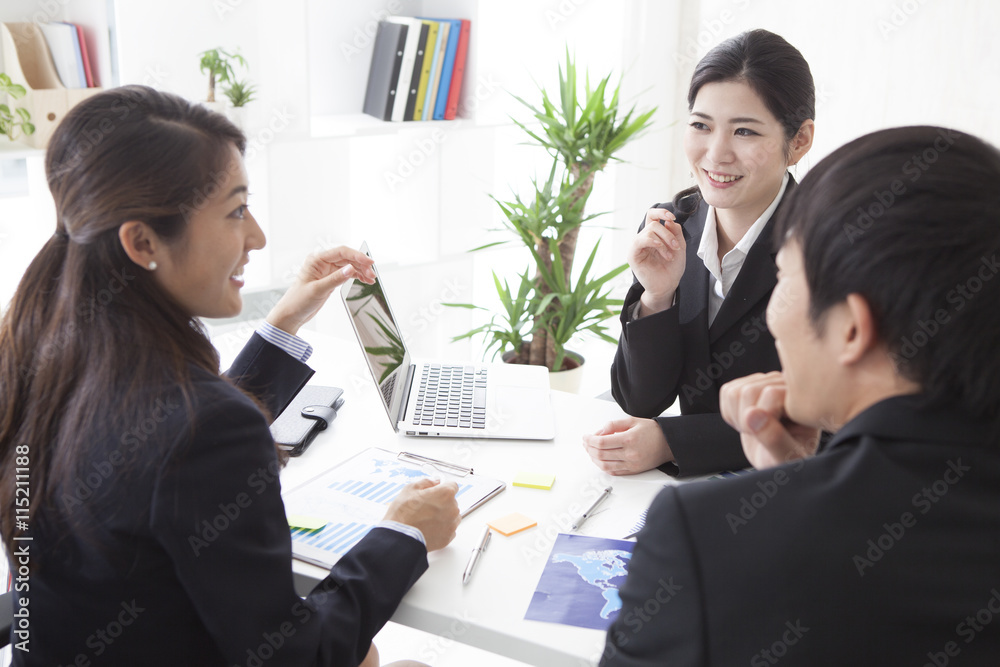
(759, 263)
(693, 287)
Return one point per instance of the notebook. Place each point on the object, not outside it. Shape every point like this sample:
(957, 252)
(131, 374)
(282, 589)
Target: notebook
(445, 399)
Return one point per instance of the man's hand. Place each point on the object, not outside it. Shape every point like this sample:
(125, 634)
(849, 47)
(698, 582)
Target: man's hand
(755, 406)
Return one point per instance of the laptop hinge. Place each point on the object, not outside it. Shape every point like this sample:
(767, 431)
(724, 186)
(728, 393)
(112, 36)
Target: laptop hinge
(405, 398)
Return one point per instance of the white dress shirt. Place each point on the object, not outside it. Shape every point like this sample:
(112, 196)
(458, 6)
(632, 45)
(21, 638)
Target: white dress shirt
(721, 276)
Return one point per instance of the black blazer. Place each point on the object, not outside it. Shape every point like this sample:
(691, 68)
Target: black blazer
(675, 353)
(884, 549)
(187, 558)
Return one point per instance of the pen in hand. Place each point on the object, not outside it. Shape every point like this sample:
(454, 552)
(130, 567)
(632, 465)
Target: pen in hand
(590, 510)
(477, 552)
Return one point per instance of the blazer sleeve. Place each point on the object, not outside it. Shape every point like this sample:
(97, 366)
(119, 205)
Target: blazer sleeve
(701, 444)
(662, 619)
(269, 373)
(217, 512)
(647, 366)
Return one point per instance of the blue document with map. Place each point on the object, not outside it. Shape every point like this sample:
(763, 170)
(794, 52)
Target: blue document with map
(579, 585)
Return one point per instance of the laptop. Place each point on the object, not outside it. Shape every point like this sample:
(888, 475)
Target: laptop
(442, 399)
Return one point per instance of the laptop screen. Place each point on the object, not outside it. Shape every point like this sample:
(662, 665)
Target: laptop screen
(380, 338)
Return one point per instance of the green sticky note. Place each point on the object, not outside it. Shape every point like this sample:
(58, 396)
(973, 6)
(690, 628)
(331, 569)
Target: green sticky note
(534, 480)
(305, 522)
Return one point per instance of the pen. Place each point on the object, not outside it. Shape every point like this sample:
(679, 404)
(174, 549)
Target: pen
(590, 510)
(474, 556)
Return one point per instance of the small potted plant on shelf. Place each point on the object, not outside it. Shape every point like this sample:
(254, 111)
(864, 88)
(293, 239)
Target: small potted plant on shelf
(14, 121)
(546, 307)
(219, 65)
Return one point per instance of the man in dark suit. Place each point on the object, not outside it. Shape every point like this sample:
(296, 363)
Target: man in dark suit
(883, 547)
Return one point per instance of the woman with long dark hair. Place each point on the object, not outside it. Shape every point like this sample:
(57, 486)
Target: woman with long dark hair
(703, 264)
(139, 488)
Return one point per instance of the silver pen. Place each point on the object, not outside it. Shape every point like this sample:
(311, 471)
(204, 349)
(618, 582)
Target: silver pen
(590, 510)
(475, 555)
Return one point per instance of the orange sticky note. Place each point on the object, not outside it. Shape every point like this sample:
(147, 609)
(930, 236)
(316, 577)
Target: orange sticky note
(512, 523)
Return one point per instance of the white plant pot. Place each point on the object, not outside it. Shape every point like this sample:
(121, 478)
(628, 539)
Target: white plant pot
(568, 380)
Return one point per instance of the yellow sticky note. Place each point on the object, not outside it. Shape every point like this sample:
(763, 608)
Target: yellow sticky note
(534, 480)
(512, 523)
(305, 522)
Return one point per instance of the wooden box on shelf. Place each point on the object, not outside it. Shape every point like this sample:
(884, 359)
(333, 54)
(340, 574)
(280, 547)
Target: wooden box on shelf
(27, 61)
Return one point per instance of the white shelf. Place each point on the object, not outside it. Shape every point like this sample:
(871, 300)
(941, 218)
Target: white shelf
(363, 125)
(18, 151)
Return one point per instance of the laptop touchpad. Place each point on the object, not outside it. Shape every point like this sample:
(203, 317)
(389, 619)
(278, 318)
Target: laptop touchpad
(525, 411)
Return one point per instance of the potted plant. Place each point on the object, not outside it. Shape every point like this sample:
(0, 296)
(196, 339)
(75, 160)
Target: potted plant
(218, 64)
(548, 306)
(14, 121)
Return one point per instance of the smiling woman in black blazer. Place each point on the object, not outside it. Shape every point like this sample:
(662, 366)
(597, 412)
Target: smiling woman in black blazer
(704, 264)
(139, 489)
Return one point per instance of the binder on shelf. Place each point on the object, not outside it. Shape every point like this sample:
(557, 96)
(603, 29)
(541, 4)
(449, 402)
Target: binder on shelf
(383, 75)
(413, 27)
(418, 66)
(447, 66)
(425, 72)
(28, 62)
(435, 80)
(87, 71)
(458, 74)
(64, 46)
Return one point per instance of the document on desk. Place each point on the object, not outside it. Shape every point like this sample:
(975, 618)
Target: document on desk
(350, 498)
(579, 585)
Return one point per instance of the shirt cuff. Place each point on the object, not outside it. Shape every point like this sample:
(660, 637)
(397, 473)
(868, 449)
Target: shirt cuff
(405, 529)
(293, 345)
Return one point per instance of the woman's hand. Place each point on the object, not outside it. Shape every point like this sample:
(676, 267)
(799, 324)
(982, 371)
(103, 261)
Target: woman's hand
(657, 257)
(322, 273)
(627, 446)
(755, 406)
(431, 507)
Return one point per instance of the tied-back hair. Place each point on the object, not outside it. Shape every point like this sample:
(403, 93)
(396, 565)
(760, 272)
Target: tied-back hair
(89, 337)
(774, 69)
(909, 218)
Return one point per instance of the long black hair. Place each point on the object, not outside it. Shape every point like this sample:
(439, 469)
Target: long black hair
(87, 328)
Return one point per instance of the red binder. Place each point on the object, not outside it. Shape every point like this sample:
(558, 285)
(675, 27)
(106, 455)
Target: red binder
(458, 73)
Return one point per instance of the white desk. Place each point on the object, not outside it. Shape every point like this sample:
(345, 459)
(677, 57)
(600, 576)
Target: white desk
(489, 612)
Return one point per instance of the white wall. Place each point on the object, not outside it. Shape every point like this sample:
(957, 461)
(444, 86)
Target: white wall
(876, 63)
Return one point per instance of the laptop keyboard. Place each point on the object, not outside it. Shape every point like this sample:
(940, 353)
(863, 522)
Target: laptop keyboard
(451, 396)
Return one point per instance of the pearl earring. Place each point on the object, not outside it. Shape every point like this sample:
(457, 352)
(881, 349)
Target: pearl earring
(151, 266)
